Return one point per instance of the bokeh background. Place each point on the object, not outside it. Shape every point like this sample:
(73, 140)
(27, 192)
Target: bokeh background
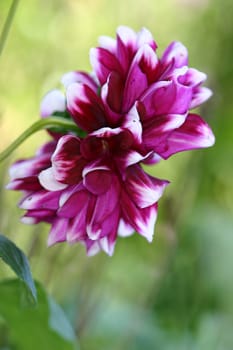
(173, 294)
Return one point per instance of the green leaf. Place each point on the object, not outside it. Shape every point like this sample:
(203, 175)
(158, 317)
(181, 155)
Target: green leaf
(42, 326)
(17, 260)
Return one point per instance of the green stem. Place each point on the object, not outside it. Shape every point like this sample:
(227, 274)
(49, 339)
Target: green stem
(39, 125)
(7, 24)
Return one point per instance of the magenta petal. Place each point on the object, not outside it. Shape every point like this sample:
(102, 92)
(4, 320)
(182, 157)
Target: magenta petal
(109, 230)
(92, 247)
(67, 163)
(53, 101)
(200, 95)
(136, 81)
(48, 181)
(29, 167)
(124, 229)
(77, 226)
(40, 214)
(133, 124)
(142, 220)
(47, 149)
(144, 36)
(126, 46)
(192, 77)
(30, 183)
(85, 106)
(144, 190)
(155, 129)
(103, 207)
(108, 43)
(79, 77)
(175, 54)
(130, 158)
(97, 181)
(58, 231)
(111, 94)
(40, 200)
(194, 133)
(74, 204)
(167, 98)
(103, 63)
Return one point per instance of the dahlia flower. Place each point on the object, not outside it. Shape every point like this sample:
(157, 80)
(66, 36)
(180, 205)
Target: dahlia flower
(133, 108)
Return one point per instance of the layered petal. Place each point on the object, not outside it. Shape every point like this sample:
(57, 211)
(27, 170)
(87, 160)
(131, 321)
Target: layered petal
(194, 133)
(85, 107)
(79, 77)
(53, 101)
(141, 219)
(103, 63)
(144, 190)
(166, 97)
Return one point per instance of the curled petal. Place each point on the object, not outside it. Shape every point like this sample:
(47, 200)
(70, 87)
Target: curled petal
(194, 133)
(48, 181)
(108, 43)
(111, 94)
(130, 158)
(103, 63)
(200, 95)
(144, 36)
(141, 219)
(85, 107)
(97, 178)
(133, 124)
(67, 163)
(136, 81)
(79, 77)
(175, 55)
(53, 101)
(167, 98)
(155, 129)
(126, 46)
(144, 190)
(192, 77)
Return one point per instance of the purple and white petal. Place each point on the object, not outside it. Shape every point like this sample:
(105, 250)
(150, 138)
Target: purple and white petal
(58, 231)
(124, 229)
(103, 63)
(194, 133)
(79, 77)
(155, 129)
(200, 95)
(167, 98)
(85, 106)
(48, 181)
(133, 124)
(141, 219)
(175, 55)
(67, 163)
(53, 101)
(40, 200)
(144, 190)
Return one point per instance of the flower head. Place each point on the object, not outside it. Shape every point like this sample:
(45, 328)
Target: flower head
(134, 108)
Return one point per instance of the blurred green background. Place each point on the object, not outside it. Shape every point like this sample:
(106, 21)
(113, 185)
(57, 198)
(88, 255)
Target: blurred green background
(175, 293)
